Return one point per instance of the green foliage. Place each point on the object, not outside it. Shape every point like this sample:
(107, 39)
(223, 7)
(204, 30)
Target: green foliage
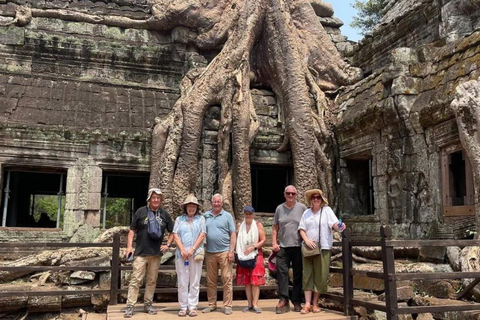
(49, 205)
(118, 212)
(369, 14)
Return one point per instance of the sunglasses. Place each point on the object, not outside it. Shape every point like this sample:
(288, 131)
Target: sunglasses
(317, 197)
(290, 193)
(248, 213)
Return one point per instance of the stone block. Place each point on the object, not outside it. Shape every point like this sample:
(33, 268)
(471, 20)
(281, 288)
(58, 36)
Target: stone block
(92, 201)
(44, 303)
(84, 275)
(403, 294)
(183, 35)
(12, 36)
(405, 85)
(79, 300)
(443, 289)
(432, 254)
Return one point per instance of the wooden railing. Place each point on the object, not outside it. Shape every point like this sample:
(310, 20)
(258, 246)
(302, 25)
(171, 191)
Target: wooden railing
(391, 306)
(388, 274)
(115, 268)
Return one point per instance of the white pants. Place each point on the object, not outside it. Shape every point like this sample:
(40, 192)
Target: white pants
(188, 282)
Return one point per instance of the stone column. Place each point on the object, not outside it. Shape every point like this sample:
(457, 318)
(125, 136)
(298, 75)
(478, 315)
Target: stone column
(83, 197)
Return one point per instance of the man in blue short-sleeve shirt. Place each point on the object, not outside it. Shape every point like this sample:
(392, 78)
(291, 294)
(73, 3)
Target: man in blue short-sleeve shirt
(221, 239)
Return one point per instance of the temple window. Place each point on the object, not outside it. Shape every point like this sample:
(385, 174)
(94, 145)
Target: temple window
(457, 182)
(33, 197)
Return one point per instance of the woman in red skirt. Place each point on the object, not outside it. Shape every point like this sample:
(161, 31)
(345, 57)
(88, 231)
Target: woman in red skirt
(250, 263)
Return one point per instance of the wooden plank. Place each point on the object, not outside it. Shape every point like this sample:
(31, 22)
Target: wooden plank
(54, 268)
(365, 243)
(347, 260)
(433, 243)
(455, 211)
(369, 274)
(52, 293)
(432, 309)
(370, 305)
(54, 245)
(115, 273)
(169, 310)
(468, 288)
(434, 276)
(388, 261)
(333, 297)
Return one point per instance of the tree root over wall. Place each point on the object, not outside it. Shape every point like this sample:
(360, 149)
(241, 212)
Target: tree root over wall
(279, 44)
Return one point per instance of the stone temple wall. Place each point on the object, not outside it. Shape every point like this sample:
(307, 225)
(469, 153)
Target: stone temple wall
(409, 23)
(83, 98)
(400, 118)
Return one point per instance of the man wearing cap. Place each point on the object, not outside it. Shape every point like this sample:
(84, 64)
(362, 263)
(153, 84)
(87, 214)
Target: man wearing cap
(287, 242)
(221, 240)
(147, 251)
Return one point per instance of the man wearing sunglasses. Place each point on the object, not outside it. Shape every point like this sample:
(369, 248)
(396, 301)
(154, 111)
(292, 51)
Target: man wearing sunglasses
(287, 242)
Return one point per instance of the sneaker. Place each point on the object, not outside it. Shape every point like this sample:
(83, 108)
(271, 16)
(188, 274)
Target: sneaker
(209, 309)
(257, 310)
(128, 312)
(246, 309)
(148, 308)
(282, 306)
(228, 311)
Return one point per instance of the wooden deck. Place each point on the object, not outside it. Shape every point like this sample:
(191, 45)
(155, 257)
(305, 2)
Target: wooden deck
(169, 310)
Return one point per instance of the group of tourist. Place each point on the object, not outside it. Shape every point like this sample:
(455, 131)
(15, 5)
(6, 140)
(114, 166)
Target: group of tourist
(213, 237)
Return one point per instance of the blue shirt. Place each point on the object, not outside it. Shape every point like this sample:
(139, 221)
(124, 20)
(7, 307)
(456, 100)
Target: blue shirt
(189, 232)
(219, 228)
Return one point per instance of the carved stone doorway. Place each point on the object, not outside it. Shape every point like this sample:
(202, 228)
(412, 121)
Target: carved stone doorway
(268, 184)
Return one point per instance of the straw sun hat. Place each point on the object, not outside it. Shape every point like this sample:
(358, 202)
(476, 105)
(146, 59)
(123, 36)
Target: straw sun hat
(310, 193)
(191, 199)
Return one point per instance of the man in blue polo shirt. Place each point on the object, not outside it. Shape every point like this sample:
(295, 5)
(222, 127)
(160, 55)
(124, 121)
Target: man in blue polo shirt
(221, 239)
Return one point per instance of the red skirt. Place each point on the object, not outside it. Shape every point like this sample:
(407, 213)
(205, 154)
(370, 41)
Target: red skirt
(255, 276)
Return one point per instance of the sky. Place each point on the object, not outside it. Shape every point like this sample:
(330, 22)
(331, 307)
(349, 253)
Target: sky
(345, 12)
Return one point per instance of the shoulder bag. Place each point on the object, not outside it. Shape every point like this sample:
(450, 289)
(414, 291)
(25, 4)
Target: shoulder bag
(306, 250)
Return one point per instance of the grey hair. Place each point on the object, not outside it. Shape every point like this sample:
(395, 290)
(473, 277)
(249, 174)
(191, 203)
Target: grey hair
(290, 186)
(217, 195)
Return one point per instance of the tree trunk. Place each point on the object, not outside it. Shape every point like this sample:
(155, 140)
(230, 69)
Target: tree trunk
(279, 43)
(466, 107)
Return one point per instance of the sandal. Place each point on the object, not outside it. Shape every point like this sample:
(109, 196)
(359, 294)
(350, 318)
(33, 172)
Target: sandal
(182, 313)
(247, 309)
(305, 310)
(316, 309)
(192, 313)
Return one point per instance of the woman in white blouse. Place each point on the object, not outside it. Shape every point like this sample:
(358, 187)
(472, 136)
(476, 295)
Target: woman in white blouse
(316, 229)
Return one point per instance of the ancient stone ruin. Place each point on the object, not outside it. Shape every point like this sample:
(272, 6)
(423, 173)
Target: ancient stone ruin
(101, 99)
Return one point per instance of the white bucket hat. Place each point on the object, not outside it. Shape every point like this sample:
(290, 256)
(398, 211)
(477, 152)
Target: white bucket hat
(155, 190)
